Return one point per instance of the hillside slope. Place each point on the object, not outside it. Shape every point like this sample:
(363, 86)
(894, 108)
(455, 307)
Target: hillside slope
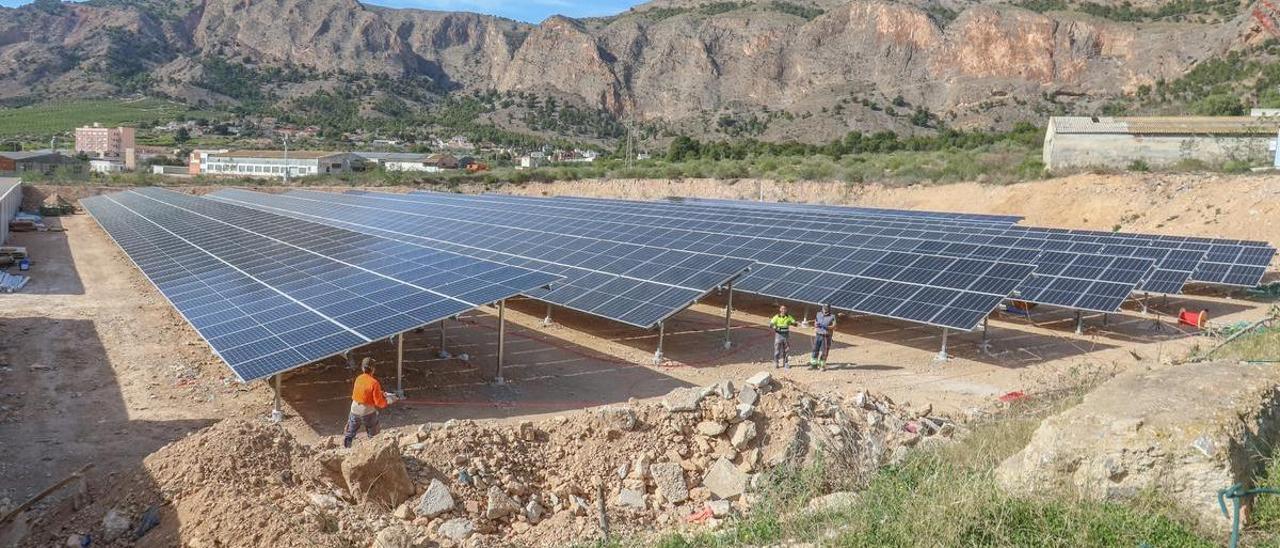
(769, 69)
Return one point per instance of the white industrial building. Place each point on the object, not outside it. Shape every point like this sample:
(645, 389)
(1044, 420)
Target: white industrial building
(10, 202)
(1082, 142)
(401, 161)
(276, 163)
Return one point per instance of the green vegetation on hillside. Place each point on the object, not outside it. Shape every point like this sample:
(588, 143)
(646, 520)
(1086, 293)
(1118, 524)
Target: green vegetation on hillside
(42, 121)
(1125, 11)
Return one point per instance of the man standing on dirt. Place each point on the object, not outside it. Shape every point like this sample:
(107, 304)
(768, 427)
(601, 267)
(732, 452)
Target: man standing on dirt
(781, 324)
(823, 324)
(367, 398)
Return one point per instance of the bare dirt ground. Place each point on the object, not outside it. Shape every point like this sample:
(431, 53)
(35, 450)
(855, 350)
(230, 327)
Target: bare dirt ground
(97, 368)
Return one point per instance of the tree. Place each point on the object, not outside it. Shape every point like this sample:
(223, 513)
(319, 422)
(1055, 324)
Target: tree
(182, 135)
(683, 148)
(1220, 104)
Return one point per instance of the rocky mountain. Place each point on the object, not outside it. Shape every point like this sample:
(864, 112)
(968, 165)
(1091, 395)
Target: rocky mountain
(773, 69)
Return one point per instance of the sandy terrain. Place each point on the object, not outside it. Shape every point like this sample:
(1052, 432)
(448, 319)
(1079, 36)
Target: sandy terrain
(97, 368)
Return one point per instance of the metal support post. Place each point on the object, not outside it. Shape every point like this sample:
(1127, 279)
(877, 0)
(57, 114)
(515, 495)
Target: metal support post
(804, 322)
(942, 354)
(985, 347)
(1079, 323)
(662, 332)
(400, 366)
(1106, 319)
(351, 360)
(502, 339)
(277, 411)
(443, 353)
(547, 320)
(1145, 298)
(728, 317)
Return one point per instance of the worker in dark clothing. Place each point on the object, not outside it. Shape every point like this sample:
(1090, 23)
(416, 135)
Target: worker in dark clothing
(823, 326)
(781, 324)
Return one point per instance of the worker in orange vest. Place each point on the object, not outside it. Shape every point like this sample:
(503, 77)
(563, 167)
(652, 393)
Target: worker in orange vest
(367, 398)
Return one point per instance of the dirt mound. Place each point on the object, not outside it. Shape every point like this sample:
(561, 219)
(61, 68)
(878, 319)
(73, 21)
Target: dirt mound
(221, 486)
(701, 452)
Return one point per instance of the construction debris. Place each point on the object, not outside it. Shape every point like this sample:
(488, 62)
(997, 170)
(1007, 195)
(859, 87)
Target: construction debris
(10, 283)
(534, 483)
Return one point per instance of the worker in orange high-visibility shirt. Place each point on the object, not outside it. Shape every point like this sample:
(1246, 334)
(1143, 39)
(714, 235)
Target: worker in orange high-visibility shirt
(367, 398)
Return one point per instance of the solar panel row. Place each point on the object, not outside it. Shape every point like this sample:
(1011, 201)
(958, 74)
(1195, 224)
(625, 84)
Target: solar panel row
(901, 275)
(634, 284)
(1175, 258)
(999, 220)
(1213, 260)
(264, 295)
(1062, 278)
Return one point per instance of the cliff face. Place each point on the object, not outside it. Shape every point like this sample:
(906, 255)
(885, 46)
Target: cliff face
(990, 58)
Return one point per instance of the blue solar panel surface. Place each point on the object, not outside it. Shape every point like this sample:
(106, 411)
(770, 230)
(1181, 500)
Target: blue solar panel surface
(634, 284)
(270, 293)
(854, 211)
(964, 289)
(1062, 278)
(1173, 265)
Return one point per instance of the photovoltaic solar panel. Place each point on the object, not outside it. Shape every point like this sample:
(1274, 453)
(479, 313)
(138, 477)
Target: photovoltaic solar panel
(1096, 286)
(831, 209)
(798, 283)
(1171, 264)
(629, 283)
(269, 293)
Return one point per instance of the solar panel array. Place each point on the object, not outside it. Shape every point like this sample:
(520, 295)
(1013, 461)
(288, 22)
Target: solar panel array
(969, 218)
(1173, 258)
(1056, 281)
(952, 292)
(271, 293)
(632, 283)
(1179, 258)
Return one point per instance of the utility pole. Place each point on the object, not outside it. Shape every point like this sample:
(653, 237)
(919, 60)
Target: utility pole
(286, 160)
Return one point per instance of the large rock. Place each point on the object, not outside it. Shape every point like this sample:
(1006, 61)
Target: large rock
(114, 524)
(669, 477)
(710, 429)
(724, 480)
(1187, 430)
(457, 529)
(375, 473)
(683, 399)
(620, 416)
(743, 434)
(500, 505)
(435, 501)
(394, 536)
(631, 498)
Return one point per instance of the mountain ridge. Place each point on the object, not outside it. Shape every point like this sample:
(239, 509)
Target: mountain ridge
(800, 70)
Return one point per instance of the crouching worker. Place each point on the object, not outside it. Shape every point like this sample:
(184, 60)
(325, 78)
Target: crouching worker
(823, 326)
(367, 398)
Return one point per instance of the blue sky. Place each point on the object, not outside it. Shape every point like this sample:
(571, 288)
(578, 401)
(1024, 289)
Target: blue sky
(532, 11)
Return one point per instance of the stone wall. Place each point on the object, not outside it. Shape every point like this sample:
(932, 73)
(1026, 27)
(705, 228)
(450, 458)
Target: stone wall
(1064, 152)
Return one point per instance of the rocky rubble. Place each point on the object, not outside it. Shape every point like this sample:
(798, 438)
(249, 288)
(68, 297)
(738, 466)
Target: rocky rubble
(700, 451)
